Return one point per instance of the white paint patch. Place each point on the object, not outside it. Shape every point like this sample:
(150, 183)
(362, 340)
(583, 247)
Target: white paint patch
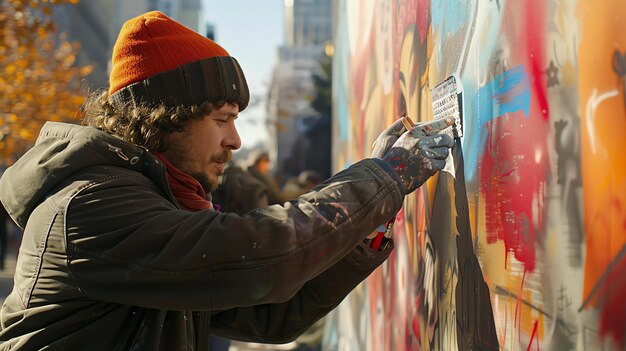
(590, 116)
(538, 155)
(449, 168)
(384, 43)
(360, 21)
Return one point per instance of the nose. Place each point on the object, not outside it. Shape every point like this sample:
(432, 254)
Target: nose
(232, 140)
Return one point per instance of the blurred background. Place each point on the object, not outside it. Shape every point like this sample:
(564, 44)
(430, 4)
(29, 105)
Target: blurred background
(54, 53)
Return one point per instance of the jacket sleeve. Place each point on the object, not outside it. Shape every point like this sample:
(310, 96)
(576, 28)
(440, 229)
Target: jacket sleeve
(284, 322)
(128, 244)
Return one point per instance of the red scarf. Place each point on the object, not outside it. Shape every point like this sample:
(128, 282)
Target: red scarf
(187, 190)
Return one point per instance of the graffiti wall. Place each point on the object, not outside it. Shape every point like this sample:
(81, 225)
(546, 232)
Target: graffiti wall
(521, 244)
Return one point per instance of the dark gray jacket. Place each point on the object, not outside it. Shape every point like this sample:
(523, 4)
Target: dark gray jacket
(109, 260)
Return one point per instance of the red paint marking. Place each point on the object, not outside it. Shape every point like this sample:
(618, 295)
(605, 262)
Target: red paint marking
(515, 166)
(507, 174)
(532, 337)
(536, 27)
(423, 24)
(612, 300)
(511, 180)
(518, 309)
(540, 89)
(517, 319)
(506, 322)
(414, 321)
(506, 256)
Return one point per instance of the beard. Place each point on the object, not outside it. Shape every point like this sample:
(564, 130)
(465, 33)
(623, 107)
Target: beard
(209, 182)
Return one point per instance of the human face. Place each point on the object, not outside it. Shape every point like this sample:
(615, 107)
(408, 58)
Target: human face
(205, 145)
(264, 166)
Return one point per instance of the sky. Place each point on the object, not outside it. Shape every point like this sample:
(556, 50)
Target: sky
(251, 31)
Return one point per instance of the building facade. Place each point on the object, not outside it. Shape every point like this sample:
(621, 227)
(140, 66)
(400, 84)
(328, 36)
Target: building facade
(308, 28)
(308, 22)
(88, 23)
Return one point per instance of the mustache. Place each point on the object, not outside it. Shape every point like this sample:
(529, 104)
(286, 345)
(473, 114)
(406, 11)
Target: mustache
(223, 157)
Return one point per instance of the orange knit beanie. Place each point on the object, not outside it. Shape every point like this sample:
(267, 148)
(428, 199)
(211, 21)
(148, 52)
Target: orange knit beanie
(157, 60)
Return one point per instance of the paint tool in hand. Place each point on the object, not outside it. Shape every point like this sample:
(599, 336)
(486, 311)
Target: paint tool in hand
(447, 102)
(383, 236)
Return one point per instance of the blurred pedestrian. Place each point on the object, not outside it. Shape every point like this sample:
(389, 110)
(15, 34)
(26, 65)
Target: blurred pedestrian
(239, 192)
(121, 250)
(259, 167)
(304, 182)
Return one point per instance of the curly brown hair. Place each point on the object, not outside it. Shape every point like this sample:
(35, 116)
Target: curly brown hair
(143, 125)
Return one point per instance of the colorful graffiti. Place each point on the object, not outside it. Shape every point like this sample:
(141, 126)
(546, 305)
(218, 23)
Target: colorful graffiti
(522, 244)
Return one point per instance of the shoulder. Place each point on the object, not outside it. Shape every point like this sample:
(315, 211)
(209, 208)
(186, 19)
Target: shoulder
(106, 176)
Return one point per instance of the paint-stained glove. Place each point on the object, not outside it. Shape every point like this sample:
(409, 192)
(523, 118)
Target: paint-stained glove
(420, 153)
(387, 138)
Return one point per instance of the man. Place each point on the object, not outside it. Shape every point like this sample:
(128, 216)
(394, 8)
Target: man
(121, 251)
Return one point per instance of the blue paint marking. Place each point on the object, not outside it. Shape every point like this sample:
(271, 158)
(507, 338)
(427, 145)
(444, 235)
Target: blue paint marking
(447, 18)
(505, 94)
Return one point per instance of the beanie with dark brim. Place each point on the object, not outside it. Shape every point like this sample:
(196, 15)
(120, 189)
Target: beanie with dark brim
(158, 61)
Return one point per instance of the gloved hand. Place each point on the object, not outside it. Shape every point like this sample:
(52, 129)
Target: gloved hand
(387, 138)
(420, 153)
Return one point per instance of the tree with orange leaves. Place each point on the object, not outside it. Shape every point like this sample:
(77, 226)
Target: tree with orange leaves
(38, 79)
